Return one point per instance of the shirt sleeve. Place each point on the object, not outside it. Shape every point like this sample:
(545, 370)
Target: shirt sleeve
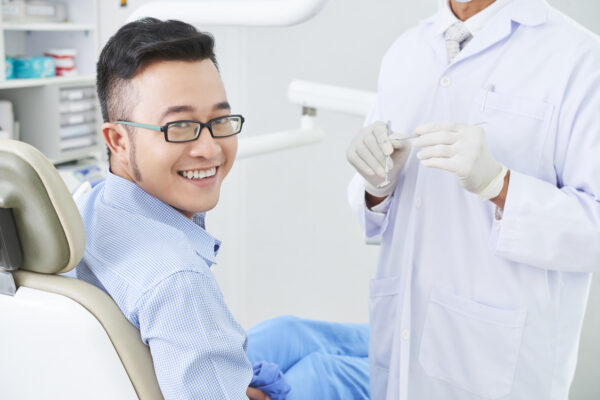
(198, 349)
(557, 227)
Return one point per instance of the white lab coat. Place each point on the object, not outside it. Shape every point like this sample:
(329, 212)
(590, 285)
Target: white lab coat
(464, 306)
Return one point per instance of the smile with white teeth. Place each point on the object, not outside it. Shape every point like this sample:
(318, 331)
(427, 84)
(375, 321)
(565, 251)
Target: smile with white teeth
(198, 173)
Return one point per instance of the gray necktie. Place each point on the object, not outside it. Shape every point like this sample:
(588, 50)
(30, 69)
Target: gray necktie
(456, 36)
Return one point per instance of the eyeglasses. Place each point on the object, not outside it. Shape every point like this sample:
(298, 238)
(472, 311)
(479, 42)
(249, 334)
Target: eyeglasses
(187, 131)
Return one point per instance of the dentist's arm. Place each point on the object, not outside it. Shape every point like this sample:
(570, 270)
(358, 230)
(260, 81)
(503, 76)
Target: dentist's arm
(501, 198)
(555, 227)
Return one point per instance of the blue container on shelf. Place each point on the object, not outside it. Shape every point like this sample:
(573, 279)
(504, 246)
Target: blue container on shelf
(34, 67)
(9, 67)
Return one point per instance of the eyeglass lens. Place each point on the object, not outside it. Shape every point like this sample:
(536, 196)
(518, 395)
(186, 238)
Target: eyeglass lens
(181, 131)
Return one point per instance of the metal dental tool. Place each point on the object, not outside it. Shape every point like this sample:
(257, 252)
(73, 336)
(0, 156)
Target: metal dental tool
(388, 158)
(399, 138)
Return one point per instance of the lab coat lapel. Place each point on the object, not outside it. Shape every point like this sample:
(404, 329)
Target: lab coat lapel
(518, 12)
(499, 28)
(434, 38)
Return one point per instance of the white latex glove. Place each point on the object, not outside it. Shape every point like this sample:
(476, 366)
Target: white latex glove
(367, 154)
(461, 149)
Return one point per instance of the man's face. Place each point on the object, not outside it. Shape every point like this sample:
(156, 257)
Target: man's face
(178, 90)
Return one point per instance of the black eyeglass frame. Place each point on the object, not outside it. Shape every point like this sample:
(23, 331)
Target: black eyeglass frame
(165, 128)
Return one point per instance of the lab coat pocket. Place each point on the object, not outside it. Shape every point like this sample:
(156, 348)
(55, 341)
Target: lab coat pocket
(516, 127)
(471, 345)
(382, 308)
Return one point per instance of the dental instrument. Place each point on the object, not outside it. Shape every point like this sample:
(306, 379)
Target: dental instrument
(388, 159)
(399, 138)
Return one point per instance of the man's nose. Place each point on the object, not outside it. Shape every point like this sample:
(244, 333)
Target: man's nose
(205, 146)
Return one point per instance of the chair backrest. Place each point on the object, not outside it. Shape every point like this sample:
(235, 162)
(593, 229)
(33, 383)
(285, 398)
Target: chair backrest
(60, 338)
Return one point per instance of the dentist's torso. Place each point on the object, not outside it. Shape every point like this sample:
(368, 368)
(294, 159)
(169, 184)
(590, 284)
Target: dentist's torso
(449, 319)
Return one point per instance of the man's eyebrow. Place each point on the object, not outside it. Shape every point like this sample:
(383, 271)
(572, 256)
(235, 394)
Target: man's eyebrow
(176, 110)
(187, 108)
(221, 106)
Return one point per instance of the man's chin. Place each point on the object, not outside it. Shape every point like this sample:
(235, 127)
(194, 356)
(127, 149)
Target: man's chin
(190, 210)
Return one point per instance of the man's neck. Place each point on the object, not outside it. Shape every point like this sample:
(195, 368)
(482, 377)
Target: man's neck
(464, 11)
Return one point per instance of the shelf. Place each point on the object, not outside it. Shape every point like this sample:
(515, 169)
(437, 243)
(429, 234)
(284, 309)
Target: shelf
(23, 83)
(46, 26)
(96, 151)
(37, 102)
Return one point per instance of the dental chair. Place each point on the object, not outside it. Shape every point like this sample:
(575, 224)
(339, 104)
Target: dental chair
(60, 338)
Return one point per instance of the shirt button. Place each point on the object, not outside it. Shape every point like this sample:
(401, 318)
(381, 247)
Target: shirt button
(418, 202)
(445, 81)
(405, 334)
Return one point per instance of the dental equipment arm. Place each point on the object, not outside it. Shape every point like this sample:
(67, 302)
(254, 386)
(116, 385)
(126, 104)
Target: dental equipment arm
(233, 12)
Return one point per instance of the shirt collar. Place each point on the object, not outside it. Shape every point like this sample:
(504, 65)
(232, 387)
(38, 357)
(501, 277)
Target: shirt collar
(474, 24)
(124, 194)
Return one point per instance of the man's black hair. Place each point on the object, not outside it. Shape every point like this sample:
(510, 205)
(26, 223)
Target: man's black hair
(136, 45)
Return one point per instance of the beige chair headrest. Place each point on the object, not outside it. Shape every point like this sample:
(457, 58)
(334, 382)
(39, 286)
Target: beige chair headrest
(48, 223)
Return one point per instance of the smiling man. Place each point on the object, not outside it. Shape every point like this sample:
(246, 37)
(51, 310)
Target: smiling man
(171, 141)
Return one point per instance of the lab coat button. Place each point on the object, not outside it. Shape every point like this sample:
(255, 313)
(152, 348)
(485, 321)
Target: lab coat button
(418, 202)
(445, 81)
(405, 334)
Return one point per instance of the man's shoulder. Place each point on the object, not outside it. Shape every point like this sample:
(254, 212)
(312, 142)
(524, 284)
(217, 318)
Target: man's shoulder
(101, 217)
(570, 34)
(411, 41)
(414, 35)
(129, 271)
(131, 248)
(142, 250)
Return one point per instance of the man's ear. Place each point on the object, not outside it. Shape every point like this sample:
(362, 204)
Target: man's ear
(117, 140)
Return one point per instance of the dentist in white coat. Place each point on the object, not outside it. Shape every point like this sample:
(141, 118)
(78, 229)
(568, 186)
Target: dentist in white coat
(491, 225)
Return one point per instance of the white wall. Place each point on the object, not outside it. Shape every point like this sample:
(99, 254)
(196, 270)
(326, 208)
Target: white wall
(291, 245)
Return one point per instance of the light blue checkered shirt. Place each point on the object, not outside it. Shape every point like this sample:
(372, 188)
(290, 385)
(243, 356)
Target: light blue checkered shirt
(154, 262)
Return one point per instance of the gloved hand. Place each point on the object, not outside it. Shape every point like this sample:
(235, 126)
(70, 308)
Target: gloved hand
(367, 154)
(461, 149)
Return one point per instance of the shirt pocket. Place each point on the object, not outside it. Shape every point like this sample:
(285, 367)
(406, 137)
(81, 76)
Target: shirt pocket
(516, 127)
(471, 345)
(383, 302)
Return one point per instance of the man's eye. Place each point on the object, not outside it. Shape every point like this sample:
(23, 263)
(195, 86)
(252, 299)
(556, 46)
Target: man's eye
(180, 125)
